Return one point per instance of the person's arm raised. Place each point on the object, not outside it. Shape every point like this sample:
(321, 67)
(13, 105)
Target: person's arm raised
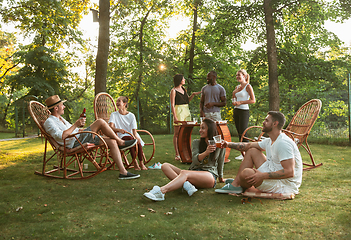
(241, 146)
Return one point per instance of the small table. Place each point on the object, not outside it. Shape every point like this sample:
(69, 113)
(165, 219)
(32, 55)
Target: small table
(184, 139)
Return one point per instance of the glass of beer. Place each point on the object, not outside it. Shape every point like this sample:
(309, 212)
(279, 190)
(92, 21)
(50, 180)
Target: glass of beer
(218, 140)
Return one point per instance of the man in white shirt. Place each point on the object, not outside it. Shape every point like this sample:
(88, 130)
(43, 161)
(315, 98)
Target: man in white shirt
(60, 129)
(280, 171)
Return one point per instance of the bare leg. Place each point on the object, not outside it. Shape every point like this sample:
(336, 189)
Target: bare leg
(116, 155)
(200, 179)
(246, 173)
(100, 124)
(132, 153)
(170, 171)
(141, 157)
(175, 140)
(253, 157)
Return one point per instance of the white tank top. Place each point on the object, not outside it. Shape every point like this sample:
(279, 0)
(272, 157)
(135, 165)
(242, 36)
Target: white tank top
(243, 95)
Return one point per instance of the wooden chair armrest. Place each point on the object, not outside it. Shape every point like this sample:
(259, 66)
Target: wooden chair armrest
(83, 146)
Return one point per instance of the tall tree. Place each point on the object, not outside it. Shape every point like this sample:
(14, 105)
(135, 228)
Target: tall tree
(272, 56)
(103, 46)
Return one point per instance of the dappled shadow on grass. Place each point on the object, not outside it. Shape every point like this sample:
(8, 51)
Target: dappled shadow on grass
(104, 207)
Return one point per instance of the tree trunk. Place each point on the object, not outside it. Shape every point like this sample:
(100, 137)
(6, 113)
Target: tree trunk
(140, 68)
(103, 46)
(192, 47)
(272, 57)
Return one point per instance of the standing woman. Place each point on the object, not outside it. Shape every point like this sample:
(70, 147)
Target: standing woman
(243, 95)
(122, 121)
(180, 107)
(206, 167)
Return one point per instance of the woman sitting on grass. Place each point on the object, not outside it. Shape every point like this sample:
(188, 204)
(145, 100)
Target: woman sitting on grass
(207, 165)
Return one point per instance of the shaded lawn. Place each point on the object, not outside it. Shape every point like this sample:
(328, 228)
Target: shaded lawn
(104, 207)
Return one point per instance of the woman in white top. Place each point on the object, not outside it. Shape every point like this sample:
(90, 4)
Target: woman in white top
(122, 121)
(243, 95)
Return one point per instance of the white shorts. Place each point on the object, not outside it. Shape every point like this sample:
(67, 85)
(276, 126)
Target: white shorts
(276, 185)
(214, 116)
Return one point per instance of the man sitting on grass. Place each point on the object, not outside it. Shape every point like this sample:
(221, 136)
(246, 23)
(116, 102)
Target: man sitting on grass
(60, 129)
(280, 171)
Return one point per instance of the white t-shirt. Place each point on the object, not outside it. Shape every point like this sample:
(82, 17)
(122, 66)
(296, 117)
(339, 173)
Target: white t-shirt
(282, 149)
(126, 122)
(55, 127)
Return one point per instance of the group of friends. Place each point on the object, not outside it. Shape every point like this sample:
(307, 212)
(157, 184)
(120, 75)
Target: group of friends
(278, 172)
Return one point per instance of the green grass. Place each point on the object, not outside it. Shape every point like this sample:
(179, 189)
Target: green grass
(104, 207)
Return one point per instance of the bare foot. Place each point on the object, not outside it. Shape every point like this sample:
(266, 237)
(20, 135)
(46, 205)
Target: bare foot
(137, 168)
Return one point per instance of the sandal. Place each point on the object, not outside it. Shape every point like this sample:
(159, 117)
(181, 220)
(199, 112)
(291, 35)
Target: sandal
(177, 158)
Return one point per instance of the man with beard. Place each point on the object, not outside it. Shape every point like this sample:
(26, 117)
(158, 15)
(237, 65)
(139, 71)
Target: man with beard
(280, 171)
(213, 97)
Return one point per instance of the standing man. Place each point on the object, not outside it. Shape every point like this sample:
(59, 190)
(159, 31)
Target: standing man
(280, 171)
(60, 129)
(213, 97)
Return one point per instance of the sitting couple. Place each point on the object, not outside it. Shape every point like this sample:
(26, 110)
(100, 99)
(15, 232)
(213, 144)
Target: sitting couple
(60, 129)
(280, 171)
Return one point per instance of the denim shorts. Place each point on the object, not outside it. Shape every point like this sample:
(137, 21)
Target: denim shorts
(86, 138)
(214, 176)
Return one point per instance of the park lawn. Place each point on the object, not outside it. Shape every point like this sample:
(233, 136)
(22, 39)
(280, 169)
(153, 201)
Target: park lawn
(103, 207)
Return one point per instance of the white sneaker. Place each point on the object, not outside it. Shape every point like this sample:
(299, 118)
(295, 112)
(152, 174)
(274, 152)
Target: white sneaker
(155, 194)
(240, 157)
(191, 189)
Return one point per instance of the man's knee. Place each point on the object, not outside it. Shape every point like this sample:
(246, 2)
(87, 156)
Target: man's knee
(101, 121)
(246, 173)
(253, 151)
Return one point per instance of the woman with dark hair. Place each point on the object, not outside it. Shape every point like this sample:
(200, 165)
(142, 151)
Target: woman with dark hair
(180, 107)
(122, 121)
(206, 167)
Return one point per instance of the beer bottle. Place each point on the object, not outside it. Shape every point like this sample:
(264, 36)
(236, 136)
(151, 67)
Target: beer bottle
(83, 115)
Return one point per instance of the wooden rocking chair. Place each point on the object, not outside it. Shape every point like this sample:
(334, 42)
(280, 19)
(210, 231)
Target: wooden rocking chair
(104, 105)
(298, 129)
(71, 163)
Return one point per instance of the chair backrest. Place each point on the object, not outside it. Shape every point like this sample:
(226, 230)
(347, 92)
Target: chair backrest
(104, 105)
(39, 114)
(303, 120)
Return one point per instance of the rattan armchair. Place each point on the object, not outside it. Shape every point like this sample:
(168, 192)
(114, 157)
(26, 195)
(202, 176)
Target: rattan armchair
(104, 105)
(298, 129)
(82, 162)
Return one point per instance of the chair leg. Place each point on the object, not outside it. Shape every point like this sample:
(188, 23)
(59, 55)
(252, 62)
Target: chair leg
(308, 150)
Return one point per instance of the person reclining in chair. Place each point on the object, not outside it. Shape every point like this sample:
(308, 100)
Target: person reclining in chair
(60, 129)
(280, 171)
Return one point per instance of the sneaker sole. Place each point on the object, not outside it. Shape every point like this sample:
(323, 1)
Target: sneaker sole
(153, 199)
(125, 148)
(190, 194)
(227, 191)
(132, 177)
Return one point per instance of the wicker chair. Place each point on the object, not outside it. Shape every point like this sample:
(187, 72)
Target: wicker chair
(104, 105)
(71, 163)
(298, 129)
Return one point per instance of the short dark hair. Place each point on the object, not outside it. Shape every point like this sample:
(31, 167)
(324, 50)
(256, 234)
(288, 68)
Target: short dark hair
(213, 73)
(278, 116)
(177, 79)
